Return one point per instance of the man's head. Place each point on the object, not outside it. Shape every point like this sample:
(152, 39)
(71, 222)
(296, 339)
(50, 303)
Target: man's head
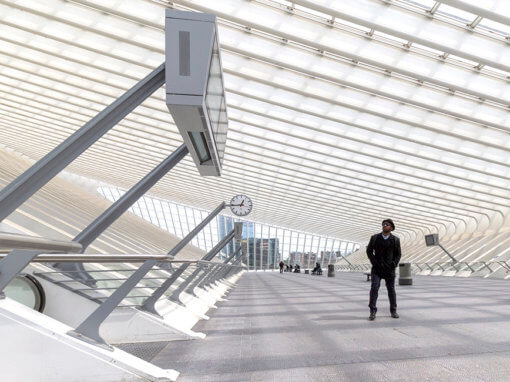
(388, 225)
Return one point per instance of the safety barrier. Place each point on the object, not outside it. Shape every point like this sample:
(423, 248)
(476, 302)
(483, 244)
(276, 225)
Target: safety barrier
(148, 289)
(481, 268)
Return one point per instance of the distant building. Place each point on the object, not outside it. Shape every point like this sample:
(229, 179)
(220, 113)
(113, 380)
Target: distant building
(225, 225)
(328, 257)
(262, 253)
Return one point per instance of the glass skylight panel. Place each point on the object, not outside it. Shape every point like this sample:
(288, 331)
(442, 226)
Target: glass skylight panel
(390, 38)
(396, 88)
(353, 97)
(456, 13)
(428, 49)
(364, 77)
(499, 156)
(338, 40)
(423, 4)
(498, 138)
(283, 3)
(354, 26)
(502, 73)
(311, 122)
(430, 97)
(429, 29)
(421, 65)
(463, 60)
(501, 7)
(319, 15)
(410, 115)
(264, 149)
(12, 16)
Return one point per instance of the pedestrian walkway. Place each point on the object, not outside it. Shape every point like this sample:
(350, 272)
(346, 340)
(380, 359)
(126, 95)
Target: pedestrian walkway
(297, 327)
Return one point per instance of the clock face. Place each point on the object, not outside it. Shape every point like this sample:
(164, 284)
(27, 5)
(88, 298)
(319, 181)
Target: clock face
(241, 205)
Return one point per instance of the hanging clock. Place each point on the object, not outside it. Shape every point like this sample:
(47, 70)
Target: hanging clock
(241, 205)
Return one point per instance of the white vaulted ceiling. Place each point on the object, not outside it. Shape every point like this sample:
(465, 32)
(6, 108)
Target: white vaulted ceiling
(341, 113)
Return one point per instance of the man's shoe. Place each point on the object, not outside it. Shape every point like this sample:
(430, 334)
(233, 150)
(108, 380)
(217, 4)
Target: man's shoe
(371, 317)
(394, 315)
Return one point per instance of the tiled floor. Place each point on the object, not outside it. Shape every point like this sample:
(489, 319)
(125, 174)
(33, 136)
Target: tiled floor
(297, 327)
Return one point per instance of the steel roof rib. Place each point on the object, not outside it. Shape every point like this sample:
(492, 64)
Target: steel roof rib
(361, 127)
(368, 111)
(253, 25)
(407, 197)
(493, 175)
(405, 36)
(338, 117)
(485, 13)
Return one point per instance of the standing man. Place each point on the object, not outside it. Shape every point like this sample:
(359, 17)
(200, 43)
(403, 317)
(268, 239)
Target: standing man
(281, 266)
(384, 254)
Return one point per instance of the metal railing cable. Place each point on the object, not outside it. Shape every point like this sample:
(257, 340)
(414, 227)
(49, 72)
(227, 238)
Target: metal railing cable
(136, 285)
(106, 285)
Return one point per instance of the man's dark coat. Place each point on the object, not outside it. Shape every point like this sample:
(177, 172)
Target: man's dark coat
(384, 255)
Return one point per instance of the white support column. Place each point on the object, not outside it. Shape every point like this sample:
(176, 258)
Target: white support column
(318, 250)
(324, 252)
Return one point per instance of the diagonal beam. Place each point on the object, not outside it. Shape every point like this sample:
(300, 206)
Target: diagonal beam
(149, 303)
(208, 257)
(28, 183)
(94, 229)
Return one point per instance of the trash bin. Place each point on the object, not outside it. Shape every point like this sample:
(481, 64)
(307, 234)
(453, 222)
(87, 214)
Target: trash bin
(405, 277)
(331, 270)
(307, 271)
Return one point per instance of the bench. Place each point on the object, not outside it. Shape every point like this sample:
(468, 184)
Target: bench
(368, 275)
(317, 273)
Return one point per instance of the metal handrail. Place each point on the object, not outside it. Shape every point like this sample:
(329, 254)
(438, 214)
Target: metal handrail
(444, 266)
(115, 288)
(108, 279)
(503, 264)
(98, 258)
(110, 258)
(26, 249)
(11, 241)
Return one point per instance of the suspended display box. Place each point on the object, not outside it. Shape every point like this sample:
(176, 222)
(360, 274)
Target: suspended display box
(195, 93)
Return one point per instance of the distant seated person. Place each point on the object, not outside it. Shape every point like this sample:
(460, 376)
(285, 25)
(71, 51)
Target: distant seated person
(297, 269)
(291, 267)
(317, 270)
(287, 268)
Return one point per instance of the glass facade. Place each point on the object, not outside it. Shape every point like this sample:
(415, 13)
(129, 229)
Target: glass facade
(264, 245)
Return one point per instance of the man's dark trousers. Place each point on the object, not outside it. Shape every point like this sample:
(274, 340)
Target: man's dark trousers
(374, 292)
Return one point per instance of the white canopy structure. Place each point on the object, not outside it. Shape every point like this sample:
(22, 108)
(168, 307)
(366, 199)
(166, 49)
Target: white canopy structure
(341, 113)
